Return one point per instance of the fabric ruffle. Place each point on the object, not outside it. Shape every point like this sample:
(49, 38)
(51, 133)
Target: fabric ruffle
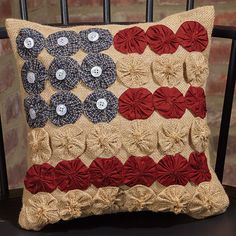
(64, 73)
(199, 134)
(63, 43)
(104, 140)
(139, 170)
(198, 168)
(106, 172)
(209, 199)
(33, 74)
(29, 43)
(167, 70)
(130, 40)
(73, 204)
(192, 36)
(172, 170)
(103, 42)
(106, 200)
(101, 106)
(133, 71)
(40, 178)
(65, 108)
(172, 137)
(39, 146)
(102, 79)
(196, 101)
(68, 142)
(169, 102)
(173, 198)
(139, 139)
(161, 39)
(139, 198)
(37, 111)
(41, 209)
(197, 70)
(72, 175)
(136, 103)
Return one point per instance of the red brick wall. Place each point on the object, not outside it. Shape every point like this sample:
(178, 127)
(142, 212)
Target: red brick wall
(122, 10)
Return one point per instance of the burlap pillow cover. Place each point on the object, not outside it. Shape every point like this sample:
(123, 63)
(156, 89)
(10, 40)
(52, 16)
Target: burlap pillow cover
(117, 118)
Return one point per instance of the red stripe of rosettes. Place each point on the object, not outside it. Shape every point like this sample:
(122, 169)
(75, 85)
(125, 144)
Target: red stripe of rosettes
(191, 35)
(139, 103)
(102, 172)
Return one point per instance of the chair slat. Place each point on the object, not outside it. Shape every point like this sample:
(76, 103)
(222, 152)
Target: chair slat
(64, 12)
(106, 11)
(149, 10)
(189, 5)
(226, 113)
(23, 9)
(3, 172)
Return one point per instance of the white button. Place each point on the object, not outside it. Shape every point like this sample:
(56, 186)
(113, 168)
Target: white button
(60, 74)
(93, 36)
(101, 103)
(62, 41)
(30, 77)
(29, 43)
(61, 109)
(32, 113)
(96, 71)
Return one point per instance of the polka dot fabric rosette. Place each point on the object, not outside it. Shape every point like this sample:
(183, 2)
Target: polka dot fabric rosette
(117, 118)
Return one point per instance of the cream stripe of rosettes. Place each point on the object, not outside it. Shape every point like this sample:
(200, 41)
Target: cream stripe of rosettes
(208, 199)
(167, 70)
(105, 140)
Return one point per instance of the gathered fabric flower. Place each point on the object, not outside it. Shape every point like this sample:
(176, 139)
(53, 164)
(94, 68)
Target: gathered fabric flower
(209, 199)
(139, 170)
(106, 172)
(95, 40)
(195, 100)
(40, 178)
(68, 142)
(37, 111)
(172, 137)
(63, 43)
(139, 139)
(192, 36)
(104, 140)
(169, 102)
(136, 103)
(133, 71)
(161, 39)
(101, 106)
(71, 175)
(130, 40)
(174, 198)
(106, 200)
(33, 75)
(198, 168)
(64, 73)
(139, 198)
(73, 203)
(197, 70)
(98, 71)
(39, 146)
(41, 209)
(65, 108)
(29, 43)
(199, 134)
(172, 170)
(167, 70)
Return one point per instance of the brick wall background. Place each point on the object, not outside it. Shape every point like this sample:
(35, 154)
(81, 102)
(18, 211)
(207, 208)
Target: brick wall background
(122, 10)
